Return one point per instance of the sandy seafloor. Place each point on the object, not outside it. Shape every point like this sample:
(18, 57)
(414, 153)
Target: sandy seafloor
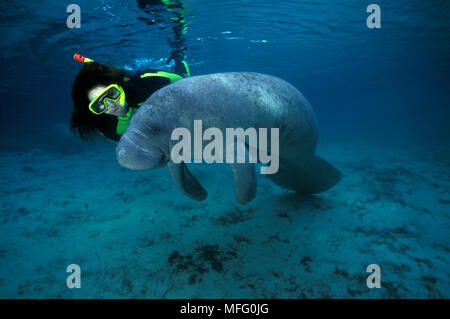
(135, 235)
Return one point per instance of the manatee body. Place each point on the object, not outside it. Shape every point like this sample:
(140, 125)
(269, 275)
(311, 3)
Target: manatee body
(230, 100)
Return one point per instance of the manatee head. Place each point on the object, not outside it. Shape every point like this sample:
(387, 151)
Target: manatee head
(143, 146)
(146, 143)
(135, 152)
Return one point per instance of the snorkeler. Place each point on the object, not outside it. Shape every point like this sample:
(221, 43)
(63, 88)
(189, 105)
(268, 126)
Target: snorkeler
(105, 98)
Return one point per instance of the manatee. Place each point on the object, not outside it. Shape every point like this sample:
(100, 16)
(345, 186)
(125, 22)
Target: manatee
(230, 100)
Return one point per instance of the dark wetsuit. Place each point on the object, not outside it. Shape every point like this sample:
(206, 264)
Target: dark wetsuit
(137, 89)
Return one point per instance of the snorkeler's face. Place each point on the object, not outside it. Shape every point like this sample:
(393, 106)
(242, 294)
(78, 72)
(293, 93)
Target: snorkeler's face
(115, 107)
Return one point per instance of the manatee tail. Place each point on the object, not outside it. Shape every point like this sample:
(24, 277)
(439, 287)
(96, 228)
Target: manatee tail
(316, 177)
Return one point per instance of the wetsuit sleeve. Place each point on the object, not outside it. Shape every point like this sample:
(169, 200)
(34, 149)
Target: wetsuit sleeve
(107, 127)
(138, 89)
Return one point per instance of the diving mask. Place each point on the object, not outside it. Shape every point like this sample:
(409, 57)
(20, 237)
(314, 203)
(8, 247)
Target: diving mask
(111, 94)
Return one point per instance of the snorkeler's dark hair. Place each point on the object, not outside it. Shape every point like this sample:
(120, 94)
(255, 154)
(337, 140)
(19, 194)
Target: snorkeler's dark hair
(83, 122)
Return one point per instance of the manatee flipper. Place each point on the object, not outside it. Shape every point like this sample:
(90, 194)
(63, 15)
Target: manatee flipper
(244, 176)
(186, 182)
(316, 177)
(244, 181)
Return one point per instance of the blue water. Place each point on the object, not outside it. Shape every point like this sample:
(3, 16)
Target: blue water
(381, 97)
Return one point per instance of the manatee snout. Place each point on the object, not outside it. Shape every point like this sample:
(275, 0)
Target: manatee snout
(134, 152)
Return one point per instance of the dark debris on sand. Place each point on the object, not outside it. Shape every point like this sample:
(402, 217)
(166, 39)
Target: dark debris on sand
(203, 259)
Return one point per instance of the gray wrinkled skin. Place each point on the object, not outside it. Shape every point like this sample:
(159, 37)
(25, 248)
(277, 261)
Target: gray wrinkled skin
(230, 100)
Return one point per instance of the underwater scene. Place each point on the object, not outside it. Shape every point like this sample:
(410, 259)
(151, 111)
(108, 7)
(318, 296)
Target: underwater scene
(97, 203)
